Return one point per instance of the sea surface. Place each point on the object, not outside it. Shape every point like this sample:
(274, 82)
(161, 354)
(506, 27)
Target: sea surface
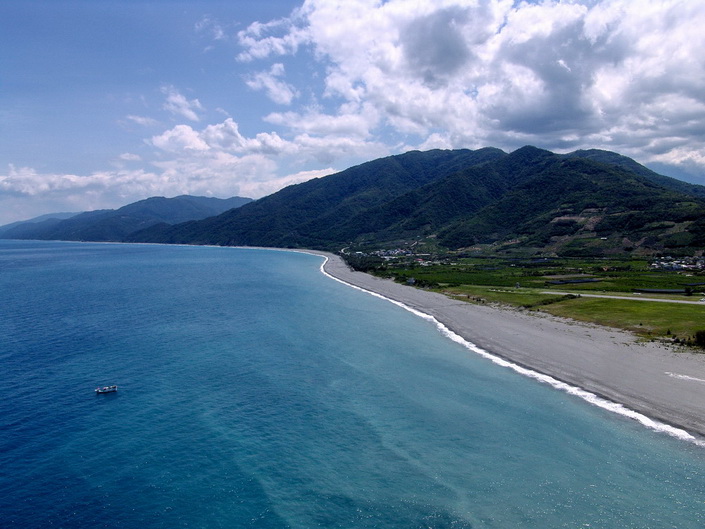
(254, 391)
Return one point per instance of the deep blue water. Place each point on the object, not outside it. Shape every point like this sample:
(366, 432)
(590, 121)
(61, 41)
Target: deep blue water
(256, 392)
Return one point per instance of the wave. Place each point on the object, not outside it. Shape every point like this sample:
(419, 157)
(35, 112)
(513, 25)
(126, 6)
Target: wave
(581, 393)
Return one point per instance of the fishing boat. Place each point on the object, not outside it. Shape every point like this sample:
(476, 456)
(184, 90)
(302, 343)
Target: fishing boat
(106, 389)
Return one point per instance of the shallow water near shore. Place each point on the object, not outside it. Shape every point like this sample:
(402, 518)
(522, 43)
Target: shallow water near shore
(256, 392)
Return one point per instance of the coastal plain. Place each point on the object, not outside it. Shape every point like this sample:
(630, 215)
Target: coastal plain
(660, 381)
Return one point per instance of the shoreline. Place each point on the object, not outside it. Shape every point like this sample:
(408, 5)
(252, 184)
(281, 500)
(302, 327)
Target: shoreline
(644, 381)
(652, 383)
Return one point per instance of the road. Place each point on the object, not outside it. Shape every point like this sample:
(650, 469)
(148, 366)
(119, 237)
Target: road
(630, 298)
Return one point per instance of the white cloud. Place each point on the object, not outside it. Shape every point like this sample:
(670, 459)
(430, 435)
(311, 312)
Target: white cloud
(330, 150)
(178, 105)
(278, 37)
(214, 173)
(26, 192)
(26, 181)
(313, 142)
(225, 137)
(211, 27)
(561, 75)
(352, 122)
(130, 157)
(276, 89)
(215, 161)
(143, 120)
(180, 138)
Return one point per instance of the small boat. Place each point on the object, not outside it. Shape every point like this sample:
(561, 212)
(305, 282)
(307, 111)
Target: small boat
(106, 389)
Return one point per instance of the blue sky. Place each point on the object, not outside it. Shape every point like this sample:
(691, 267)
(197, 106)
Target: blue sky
(106, 102)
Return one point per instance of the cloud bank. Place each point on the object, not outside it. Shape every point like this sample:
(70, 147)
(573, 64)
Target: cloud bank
(621, 75)
(352, 80)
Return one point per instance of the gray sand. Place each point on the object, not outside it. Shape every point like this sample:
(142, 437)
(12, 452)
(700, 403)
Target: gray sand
(656, 380)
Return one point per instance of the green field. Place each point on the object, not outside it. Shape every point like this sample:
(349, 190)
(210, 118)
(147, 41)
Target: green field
(530, 284)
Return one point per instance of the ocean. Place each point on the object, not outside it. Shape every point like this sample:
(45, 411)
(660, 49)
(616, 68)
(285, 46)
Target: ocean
(254, 391)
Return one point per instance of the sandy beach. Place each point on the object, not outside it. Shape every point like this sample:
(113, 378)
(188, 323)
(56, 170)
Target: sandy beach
(660, 382)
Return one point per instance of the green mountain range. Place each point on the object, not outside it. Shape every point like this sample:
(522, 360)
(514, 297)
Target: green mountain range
(116, 225)
(586, 203)
(583, 203)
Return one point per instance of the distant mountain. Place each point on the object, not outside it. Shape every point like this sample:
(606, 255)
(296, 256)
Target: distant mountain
(583, 203)
(52, 217)
(116, 225)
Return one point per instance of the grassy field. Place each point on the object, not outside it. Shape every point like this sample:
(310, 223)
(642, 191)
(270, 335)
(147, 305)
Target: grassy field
(532, 285)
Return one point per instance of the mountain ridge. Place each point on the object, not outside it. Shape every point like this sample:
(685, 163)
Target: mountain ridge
(586, 202)
(115, 225)
(532, 201)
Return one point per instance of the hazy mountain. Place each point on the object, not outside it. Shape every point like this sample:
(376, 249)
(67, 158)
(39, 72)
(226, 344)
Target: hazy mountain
(50, 217)
(115, 225)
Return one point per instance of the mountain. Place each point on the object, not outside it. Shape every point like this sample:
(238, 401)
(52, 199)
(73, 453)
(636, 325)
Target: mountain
(530, 201)
(573, 205)
(116, 225)
(612, 158)
(50, 217)
(584, 203)
(320, 212)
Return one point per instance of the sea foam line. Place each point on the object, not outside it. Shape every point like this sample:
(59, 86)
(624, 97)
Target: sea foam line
(585, 395)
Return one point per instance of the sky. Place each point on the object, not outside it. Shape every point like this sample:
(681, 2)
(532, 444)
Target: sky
(106, 102)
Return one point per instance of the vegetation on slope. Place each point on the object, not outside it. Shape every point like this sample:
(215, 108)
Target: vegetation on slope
(528, 202)
(532, 201)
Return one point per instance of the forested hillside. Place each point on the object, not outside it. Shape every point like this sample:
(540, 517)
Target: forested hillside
(583, 203)
(586, 203)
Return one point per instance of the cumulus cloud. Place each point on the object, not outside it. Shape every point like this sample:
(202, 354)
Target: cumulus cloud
(355, 122)
(270, 185)
(312, 142)
(180, 138)
(221, 137)
(26, 181)
(434, 45)
(178, 105)
(277, 37)
(615, 74)
(216, 160)
(26, 192)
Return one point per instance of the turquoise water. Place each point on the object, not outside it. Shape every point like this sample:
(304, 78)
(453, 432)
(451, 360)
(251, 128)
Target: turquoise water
(256, 392)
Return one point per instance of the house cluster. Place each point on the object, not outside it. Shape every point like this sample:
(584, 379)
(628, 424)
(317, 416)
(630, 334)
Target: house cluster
(406, 256)
(396, 252)
(679, 263)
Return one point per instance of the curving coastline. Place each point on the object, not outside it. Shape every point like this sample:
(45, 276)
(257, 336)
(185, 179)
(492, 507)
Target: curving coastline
(644, 381)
